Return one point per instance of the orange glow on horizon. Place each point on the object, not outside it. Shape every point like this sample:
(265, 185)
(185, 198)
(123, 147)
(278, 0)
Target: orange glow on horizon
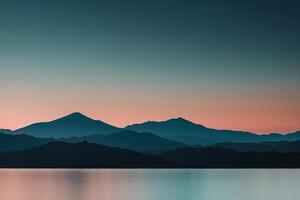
(257, 114)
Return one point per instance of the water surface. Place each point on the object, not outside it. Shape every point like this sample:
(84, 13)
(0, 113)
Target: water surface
(139, 184)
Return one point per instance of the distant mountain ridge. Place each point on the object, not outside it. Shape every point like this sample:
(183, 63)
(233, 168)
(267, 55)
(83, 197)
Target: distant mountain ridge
(177, 129)
(188, 132)
(9, 142)
(143, 142)
(73, 125)
(182, 130)
(77, 141)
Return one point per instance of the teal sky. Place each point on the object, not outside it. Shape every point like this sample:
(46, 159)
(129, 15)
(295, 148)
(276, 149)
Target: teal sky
(227, 64)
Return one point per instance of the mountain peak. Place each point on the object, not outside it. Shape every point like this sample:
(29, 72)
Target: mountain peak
(180, 120)
(76, 113)
(74, 124)
(175, 122)
(75, 116)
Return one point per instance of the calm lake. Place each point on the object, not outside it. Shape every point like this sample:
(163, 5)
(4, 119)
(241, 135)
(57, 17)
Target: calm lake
(156, 184)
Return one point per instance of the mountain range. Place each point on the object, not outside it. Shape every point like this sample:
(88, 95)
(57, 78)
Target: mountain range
(179, 130)
(142, 142)
(190, 133)
(77, 141)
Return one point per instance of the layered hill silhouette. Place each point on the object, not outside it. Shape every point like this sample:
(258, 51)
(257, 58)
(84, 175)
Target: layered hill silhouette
(89, 155)
(20, 142)
(77, 141)
(188, 132)
(79, 155)
(73, 125)
(143, 142)
(179, 130)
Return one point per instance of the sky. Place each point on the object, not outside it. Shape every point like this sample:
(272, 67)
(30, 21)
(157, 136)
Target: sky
(224, 64)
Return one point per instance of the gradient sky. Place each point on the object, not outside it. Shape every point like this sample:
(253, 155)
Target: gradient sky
(227, 64)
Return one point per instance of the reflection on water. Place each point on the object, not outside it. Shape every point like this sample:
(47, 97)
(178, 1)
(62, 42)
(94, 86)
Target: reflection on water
(111, 184)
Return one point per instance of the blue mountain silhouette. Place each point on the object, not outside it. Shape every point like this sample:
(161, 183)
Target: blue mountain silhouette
(182, 130)
(9, 142)
(75, 124)
(143, 142)
(178, 129)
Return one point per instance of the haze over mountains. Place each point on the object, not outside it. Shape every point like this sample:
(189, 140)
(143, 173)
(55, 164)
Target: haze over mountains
(143, 142)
